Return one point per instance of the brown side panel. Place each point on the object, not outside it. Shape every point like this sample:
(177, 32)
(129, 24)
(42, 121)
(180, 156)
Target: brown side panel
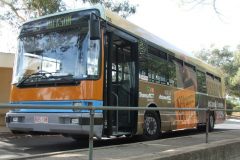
(160, 95)
(167, 96)
(185, 99)
(204, 101)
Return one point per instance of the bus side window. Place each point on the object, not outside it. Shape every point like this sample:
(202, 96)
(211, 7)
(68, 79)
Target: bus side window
(210, 84)
(218, 86)
(143, 65)
(172, 75)
(190, 77)
(201, 82)
(158, 66)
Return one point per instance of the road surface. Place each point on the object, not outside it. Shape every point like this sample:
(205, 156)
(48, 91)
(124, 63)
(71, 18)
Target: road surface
(22, 145)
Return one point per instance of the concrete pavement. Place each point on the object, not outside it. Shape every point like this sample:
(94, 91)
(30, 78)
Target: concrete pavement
(223, 145)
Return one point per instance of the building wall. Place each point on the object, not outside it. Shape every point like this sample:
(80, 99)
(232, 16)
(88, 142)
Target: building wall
(5, 84)
(6, 69)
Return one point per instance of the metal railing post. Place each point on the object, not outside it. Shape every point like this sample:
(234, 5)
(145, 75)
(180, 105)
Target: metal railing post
(207, 124)
(90, 157)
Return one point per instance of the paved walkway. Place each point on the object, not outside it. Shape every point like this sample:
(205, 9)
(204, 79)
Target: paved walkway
(149, 149)
(4, 130)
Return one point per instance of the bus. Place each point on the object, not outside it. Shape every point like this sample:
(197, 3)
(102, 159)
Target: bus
(93, 57)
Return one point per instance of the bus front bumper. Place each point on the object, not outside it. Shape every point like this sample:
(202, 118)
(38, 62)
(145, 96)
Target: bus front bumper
(64, 123)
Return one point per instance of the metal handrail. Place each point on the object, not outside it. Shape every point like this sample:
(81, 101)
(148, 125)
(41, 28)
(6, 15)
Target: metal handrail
(31, 106)
(117, 108)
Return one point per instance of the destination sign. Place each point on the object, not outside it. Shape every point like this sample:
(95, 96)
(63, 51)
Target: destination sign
(58, 21)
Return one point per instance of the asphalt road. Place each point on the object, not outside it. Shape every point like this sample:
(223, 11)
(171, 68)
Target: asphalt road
(21, 145)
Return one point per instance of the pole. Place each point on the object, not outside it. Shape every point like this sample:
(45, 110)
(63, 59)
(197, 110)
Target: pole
(207, 124)
(91, 135)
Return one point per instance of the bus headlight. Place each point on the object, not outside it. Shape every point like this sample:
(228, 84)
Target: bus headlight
(78, 104)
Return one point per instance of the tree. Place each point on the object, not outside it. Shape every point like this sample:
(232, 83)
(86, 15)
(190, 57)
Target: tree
(194, 3)
(124, 8)
(228, 61)
(18, 11)
(235, 79)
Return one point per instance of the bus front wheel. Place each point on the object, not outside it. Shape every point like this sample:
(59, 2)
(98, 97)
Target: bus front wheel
(151, 125)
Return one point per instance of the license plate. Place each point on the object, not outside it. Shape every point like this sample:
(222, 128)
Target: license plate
(15, 119)
(40, 119)
(75, 120)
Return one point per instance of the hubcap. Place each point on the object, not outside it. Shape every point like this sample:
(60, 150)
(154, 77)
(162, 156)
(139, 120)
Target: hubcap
(151, 125)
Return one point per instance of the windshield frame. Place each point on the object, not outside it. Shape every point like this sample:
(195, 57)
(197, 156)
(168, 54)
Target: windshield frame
(76, 81)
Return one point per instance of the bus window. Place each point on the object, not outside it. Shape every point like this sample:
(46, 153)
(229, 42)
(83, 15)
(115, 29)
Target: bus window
(159, 68)
(143, 66)
(179, 73)
(210, 84)
(190, 77)
(156, 68)
(172, 74)
(201, 82)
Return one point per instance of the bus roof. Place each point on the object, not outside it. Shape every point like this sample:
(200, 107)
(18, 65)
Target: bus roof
(140, 32)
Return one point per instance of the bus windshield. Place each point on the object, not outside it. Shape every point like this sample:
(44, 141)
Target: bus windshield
(57, 54)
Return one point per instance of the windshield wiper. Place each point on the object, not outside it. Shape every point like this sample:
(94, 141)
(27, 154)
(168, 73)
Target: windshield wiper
(49, 79)
(63, 79)
(39, 74)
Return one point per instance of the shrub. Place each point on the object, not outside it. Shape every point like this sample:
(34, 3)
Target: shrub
(230, 105)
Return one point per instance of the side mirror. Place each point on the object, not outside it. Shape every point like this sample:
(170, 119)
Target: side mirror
(94, 27)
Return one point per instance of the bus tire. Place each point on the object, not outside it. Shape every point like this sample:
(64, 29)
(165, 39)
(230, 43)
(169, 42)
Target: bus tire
(201, 128)
(79, 138)
(17, 132)
(211, 122)
(151, 128)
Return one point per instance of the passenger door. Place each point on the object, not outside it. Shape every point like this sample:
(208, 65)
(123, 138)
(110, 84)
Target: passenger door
(121, 81)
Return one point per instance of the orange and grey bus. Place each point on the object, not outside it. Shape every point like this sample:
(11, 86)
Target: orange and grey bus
(93, 57)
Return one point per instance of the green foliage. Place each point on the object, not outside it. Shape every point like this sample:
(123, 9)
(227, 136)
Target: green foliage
(123, 8)
(18, 11)
(228, 61)
(43, 7)
(230, 105)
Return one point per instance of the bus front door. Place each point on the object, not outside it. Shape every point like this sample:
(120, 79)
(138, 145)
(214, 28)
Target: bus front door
(121, 83)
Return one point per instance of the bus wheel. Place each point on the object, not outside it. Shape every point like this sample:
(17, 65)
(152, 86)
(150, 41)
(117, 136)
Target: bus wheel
(17, 132)
(211, 122)
(78, 138)
(151, 125)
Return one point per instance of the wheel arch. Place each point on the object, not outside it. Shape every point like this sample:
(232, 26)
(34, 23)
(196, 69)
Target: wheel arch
(153, 105)
(214, 114)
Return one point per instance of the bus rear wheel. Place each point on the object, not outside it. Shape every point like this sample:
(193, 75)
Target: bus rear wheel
(211, 122)
(79, 138)
(151, 126)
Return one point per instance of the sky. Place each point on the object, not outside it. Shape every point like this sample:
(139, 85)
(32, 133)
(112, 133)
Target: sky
(188, 28)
